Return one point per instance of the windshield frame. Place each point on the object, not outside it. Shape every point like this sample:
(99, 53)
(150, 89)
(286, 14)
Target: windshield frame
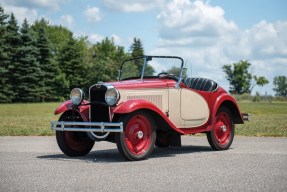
(149, 58)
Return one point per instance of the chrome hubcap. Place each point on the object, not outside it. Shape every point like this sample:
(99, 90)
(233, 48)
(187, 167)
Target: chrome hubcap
(140, 134)
(223, 128)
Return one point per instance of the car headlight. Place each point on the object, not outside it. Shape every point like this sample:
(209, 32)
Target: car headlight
(77, 96)
(112, 96)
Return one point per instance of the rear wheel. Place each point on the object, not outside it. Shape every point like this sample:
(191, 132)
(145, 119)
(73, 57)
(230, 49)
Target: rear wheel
(73, 143)
(138, 139)
(222, 134)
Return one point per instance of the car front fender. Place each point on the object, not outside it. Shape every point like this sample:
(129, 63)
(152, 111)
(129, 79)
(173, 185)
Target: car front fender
(229, 102)
(137, 104)
(67, 106)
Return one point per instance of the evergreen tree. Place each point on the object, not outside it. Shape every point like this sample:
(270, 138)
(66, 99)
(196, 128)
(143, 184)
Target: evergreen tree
(53, 81)
(11, 59)
(28, 73)
(71, 64)
(137, 50)
(6, 88)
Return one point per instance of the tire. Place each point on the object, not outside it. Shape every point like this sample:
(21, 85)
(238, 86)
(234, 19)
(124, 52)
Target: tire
(222, 134)
(138, 139)
(73, 143)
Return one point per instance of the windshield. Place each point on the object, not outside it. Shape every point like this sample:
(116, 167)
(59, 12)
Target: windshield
(151, 66)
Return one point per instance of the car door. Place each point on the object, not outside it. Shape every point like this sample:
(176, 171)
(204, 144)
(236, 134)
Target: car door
(194, 109)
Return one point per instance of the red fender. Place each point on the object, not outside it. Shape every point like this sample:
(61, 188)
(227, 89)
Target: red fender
(67, 105)
(230, 102)
(136, 104)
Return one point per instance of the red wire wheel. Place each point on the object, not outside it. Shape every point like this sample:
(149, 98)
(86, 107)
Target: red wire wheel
(73, 143)
(221, 137)
(138, 139)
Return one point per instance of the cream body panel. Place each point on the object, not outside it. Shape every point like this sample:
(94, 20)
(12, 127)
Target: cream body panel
(193, 108)
(159, 97)
(174, 107)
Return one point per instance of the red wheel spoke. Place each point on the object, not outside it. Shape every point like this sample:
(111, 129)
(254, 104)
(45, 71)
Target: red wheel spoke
(138, 134)
(222, 129)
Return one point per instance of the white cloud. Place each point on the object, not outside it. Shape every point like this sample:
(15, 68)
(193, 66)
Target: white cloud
(93, 14)
(22, 13)
(67, 20)
(117, 40)
(32, 4)
(132, 6)
(191, 23)
(200, 33)
(94, 38)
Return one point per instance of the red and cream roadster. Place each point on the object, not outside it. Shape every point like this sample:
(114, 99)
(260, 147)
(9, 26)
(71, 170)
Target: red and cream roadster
(153, 103)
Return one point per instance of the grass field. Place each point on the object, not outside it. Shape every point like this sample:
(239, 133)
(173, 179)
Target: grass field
(268, 119)
(26, 119)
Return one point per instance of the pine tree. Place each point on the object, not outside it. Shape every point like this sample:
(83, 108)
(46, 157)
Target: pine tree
(52, 83)
(71, 64)
(137, 48)
(5, 91)
(28, 72)
(12, 42)
(137, 51)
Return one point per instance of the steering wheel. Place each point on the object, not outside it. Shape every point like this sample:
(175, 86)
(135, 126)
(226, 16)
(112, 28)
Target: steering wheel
(167, 75)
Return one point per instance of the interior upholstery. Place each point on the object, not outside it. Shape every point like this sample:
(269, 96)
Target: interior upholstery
(201, 84)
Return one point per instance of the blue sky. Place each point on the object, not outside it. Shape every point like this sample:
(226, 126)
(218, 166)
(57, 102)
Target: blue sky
(208, 34)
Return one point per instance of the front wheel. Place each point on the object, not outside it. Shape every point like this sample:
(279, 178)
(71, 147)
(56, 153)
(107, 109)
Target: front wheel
(222, 134)
(73, 143)
(138, 139)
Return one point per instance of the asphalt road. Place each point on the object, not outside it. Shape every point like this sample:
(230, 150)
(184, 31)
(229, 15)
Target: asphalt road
(252, 164)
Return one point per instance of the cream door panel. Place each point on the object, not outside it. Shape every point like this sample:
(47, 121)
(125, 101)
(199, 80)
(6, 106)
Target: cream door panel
(193, 108)
(174, 107)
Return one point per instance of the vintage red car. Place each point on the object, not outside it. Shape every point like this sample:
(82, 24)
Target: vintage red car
(154, 102)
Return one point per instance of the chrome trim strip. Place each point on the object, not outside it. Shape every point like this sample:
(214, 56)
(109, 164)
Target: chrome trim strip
(101, 127)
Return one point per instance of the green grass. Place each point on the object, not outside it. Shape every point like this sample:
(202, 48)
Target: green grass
(26, 119)
(267, 119)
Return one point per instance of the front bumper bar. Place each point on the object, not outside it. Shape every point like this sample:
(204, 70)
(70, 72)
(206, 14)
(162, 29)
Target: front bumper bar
(102, 127)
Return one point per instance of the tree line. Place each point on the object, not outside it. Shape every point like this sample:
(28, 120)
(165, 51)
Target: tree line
(43, 62)
(241, 80)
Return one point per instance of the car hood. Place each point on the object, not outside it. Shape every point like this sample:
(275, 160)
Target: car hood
(143, 83)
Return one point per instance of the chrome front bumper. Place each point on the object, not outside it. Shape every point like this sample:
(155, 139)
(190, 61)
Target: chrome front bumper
(102, 127)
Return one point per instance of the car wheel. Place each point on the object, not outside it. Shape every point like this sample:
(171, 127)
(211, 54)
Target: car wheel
(138, 139)
(73, 143)
(222, 134)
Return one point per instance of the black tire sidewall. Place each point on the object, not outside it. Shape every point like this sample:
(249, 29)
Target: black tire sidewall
(64, 146)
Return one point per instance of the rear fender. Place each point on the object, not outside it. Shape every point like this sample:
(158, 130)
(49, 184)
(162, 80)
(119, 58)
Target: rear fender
(68, 106)
(137, 104)
(229, 102)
